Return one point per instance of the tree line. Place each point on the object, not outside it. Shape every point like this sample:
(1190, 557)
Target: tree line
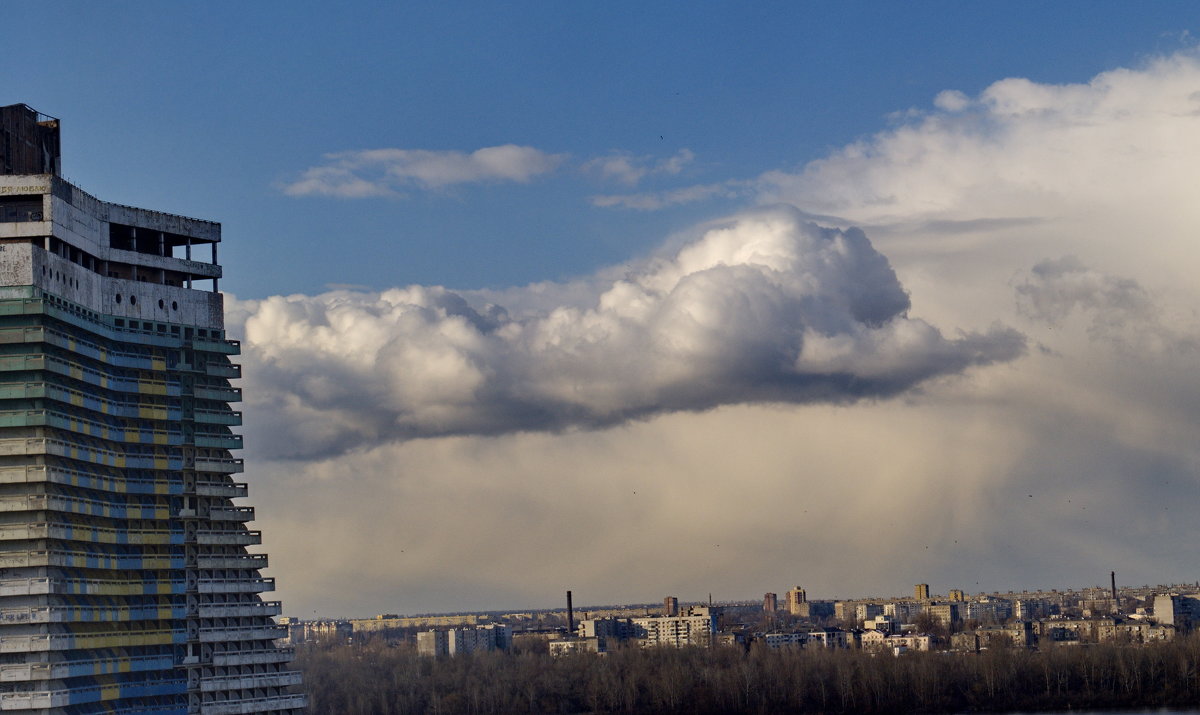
(378, 678)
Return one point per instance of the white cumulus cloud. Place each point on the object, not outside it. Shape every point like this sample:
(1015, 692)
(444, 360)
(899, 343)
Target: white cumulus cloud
(765, 308)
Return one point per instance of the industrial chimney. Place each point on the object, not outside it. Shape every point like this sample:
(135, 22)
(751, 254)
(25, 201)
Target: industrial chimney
(570, 617)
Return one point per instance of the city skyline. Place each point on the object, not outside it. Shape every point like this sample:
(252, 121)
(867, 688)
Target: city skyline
(671, 301)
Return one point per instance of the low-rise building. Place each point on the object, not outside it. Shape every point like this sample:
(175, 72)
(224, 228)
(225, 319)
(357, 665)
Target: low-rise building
(878, 641)
(778, 641)
(834, 638)
(882, 622)
(568, 646)
(1134, 631)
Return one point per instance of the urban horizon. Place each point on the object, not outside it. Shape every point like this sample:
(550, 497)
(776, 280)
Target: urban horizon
(1180, 587)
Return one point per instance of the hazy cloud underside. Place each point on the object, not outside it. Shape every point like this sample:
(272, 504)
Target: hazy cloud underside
(765, 308)
(1067, 211)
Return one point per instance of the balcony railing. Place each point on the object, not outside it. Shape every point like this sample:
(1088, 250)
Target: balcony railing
(245, 682)
(236, 585)
(232, 561)
(241, 633)
(253, 705)
(233, 490)
(232, 513)
(240, 609)
(216, 464)
(253, 657)
(235, 537)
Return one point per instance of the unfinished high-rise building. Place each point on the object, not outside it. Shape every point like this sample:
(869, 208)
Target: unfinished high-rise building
(125, 581)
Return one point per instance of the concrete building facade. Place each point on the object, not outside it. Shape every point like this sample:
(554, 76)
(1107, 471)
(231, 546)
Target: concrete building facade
(670, 606)
(796, 598)
(125, 581)
(1179, 610)
(697, 627)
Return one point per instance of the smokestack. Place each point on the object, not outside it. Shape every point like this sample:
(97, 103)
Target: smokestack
(570, 616)
(1116, 603)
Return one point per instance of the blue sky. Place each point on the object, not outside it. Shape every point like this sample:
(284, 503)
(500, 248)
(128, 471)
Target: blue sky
(207, 108)
(675, 298)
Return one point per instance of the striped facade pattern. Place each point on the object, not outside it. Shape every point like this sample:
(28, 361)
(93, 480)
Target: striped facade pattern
(126, 584)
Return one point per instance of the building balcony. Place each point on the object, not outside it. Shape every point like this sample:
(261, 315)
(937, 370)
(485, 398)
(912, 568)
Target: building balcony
(253, 657)
(93, 534)
(232, 513)
(242, 633)
(88, 507)
(231, 537)
(72, 641)
(26, 473)
(236, 585)
(43, 699)
(238, 609)
(246, 682)
(223, 466)
(220, 394)
(219, 441)
(231, 418)
(88, 559)
(88, 614)
(91, 587)
(246, 561)
(253, 705)
(220, 369)
(26, 586)
(22, 672)
(225, 347)
(89, 427)
(233, 490)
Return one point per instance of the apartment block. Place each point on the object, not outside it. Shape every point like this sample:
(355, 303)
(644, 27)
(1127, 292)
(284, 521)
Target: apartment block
(126, 583)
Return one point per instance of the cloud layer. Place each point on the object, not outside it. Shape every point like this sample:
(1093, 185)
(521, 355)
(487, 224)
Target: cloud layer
(622, 166)
(765, 308)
